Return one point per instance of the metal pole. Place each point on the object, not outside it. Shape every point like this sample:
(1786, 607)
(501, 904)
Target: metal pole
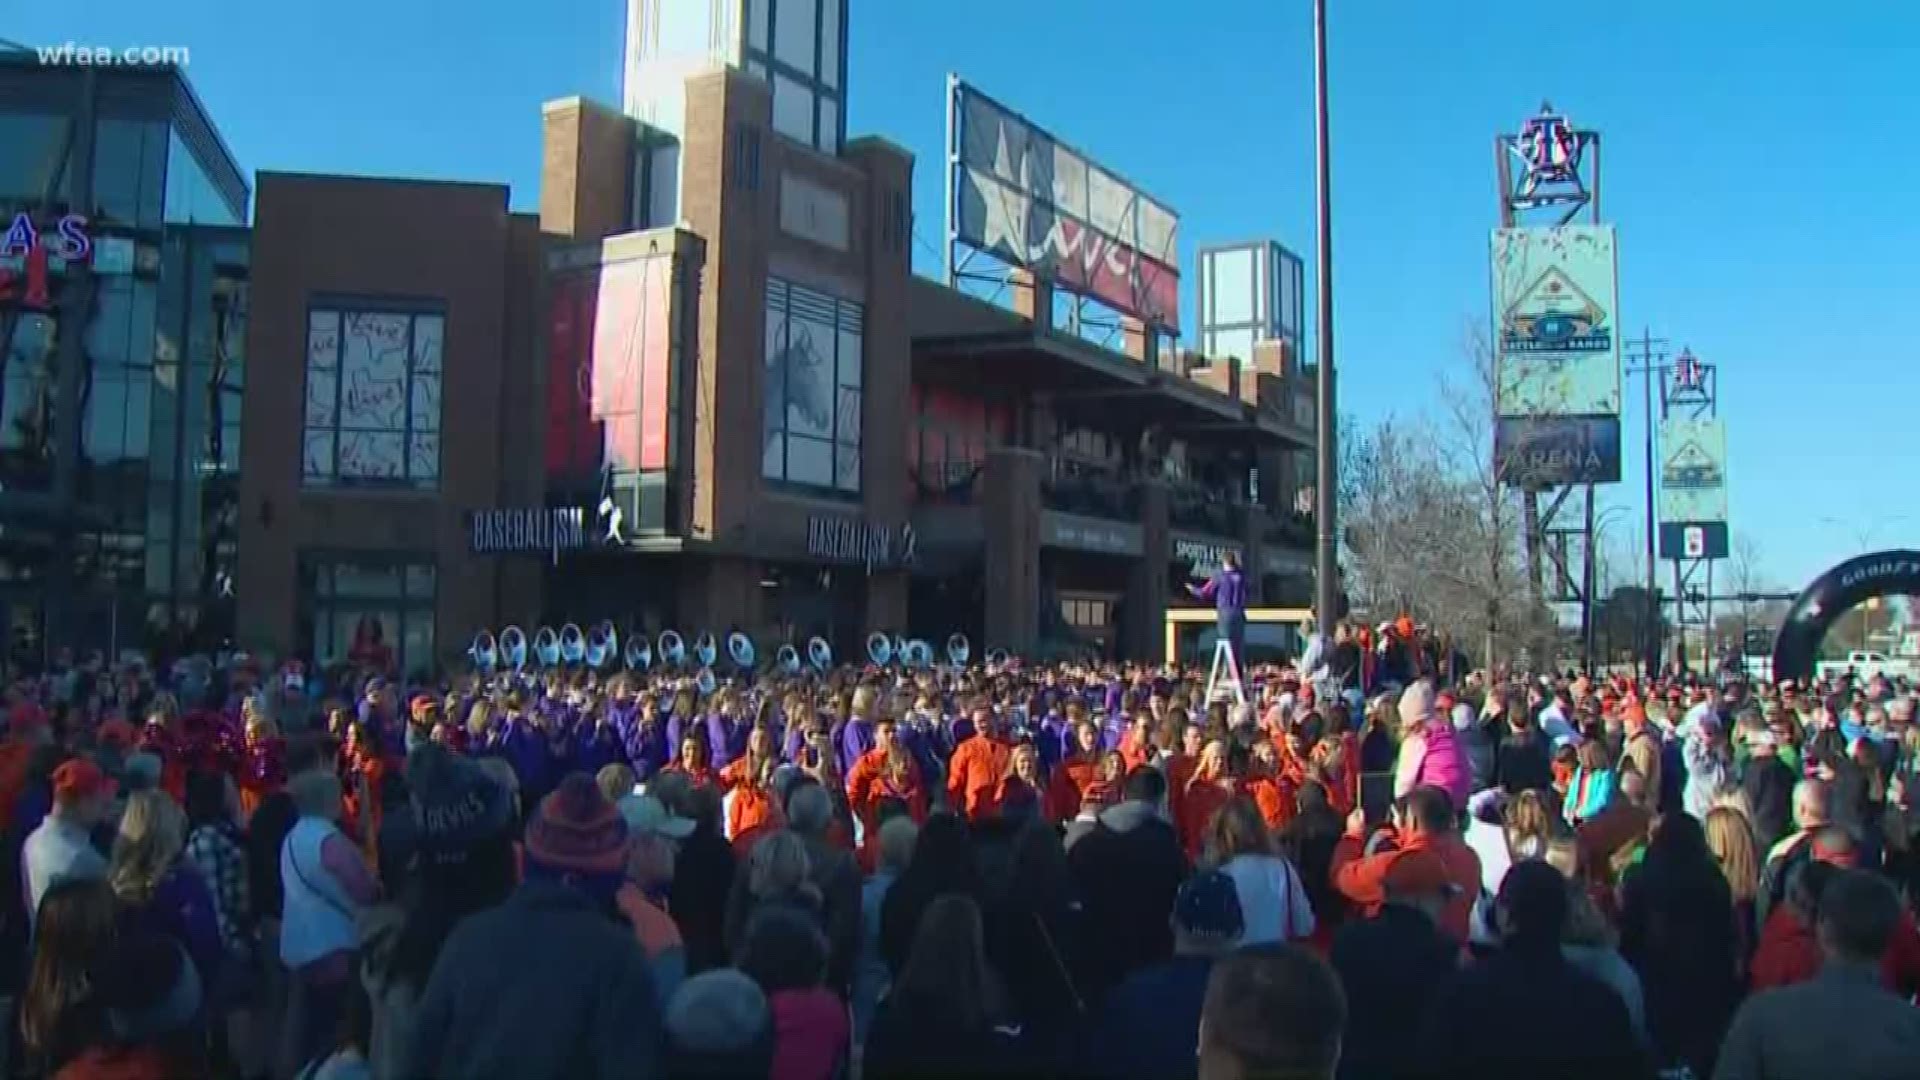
(1587, 587)
(1652, 646)
(1326, 585)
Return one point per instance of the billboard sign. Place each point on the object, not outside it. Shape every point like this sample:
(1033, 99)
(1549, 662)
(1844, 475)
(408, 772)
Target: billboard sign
(1018, 193)
(1693, 471)
(1555, 305)
(1540, 452)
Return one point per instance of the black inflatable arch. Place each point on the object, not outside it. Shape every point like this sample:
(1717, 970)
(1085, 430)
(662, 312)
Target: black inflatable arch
(1885, 573)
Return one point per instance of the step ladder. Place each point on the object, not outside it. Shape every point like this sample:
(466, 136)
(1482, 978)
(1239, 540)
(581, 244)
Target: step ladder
(1229, 687)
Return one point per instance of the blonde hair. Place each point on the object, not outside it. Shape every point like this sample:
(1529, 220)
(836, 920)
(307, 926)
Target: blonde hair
(862, 704)
(1730, 839)
(153, 831)
(260, 725)
(1528, 819)
(479, 718)
(1563, 854)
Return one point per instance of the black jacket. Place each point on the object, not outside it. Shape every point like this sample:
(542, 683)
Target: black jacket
(702, 880)
(1524, 763)
(1392, 966)
(1525, 1013)
(1768, 784)
(1127, 871)
(913, 1039)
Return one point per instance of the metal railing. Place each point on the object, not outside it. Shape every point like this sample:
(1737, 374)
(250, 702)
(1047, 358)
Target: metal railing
(1077, 487)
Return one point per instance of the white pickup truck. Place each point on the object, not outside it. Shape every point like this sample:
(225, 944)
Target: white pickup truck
(1867, 664)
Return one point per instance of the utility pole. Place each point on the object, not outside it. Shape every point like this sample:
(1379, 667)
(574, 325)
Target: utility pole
(1326, 563)
(1649, 362)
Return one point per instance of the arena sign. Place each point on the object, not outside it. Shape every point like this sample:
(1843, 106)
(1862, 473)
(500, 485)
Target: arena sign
(1885, 573)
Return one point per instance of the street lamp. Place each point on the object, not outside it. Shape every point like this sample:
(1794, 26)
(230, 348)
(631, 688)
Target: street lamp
(1326, 566)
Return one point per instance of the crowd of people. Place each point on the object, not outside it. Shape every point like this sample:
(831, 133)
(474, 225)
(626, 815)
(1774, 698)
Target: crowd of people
(1000, 870)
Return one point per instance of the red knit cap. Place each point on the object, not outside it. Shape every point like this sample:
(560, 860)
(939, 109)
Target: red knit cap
(576, 830)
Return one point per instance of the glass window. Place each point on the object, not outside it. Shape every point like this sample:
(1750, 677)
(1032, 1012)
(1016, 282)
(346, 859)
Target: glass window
(373, 397)
(757, 18)
(373, 610)
(830, 12)
(811, 419)
(27, 408)
(191, 196)
(35, 144)
(129, 169)
(792, 109)
(1232, 286)
(828, 139)
(794, 32)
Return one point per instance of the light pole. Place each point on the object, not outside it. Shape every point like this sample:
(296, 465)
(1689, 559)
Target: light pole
(1326, 564)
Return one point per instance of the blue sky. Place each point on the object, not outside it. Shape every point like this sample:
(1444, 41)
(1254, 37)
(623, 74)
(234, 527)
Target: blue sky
(1754, 164)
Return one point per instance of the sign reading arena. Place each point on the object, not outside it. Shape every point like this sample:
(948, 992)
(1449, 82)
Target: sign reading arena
(1023, 196)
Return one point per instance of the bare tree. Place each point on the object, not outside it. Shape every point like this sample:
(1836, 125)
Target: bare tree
(1430, 528)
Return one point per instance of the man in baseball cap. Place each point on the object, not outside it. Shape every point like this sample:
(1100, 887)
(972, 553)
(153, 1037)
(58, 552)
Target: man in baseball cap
(1151, 1021)
(62, 847)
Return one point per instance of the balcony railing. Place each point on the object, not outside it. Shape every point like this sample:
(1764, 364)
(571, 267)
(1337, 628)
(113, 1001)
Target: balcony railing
(946, 483)
(1079, 488)
(1288, 528)
(1195, 508)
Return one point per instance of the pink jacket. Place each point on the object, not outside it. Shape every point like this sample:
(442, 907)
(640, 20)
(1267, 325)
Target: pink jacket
(1435, 757)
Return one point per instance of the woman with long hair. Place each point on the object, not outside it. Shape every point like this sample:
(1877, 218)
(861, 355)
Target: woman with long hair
(1214, 784)
(1677, 929)
(159, 891)
(1529, 826)
(1036, 936)
(886, 773)
(61, 1013)
(1591, 788)
(751, 808)
(216, 848)
(1730, 838)
(943, 862)
(939, 1018)
(1273, 898)
(1022, 788)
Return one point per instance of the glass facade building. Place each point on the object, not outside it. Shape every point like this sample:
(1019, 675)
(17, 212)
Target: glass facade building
(120, 397)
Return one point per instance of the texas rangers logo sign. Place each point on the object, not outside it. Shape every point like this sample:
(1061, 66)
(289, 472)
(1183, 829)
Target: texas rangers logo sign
(1550, 149)
(1689, 374)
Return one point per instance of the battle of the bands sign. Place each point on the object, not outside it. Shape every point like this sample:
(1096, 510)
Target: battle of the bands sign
(31, 251)
(1554, 291)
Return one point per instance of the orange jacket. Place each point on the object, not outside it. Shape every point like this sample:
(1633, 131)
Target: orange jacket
(974, 773)
(1202, 800)
(1361, 878)
(1135, 753)
(751, 807)
(1275, 798)
(867, 785)
(1071, 779)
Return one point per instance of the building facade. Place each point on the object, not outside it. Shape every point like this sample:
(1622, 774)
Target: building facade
(395, 325)
(123, 313)
(703, 390)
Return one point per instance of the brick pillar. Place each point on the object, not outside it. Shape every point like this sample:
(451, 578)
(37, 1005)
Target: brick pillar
(586, 170)
(1010, 506)
(1144, 635)
(1032, 297)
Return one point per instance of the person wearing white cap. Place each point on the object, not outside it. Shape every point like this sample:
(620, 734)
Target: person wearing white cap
(653, 836)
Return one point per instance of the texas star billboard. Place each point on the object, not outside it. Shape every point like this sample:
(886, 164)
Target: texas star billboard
(1015, 191)
(1555, 301)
